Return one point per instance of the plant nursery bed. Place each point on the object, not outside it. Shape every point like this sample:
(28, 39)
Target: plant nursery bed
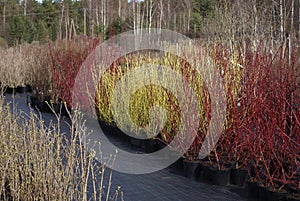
(238, 177)
(147, 145)
(9, 90)
(191, 169)
(47, 107)
(213, 175)
(18, 89)
(21, 89)
(293, 197)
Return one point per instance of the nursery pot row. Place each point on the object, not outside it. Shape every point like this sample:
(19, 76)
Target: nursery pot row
(205, 172)
(263, 193)
(148, 145)
(45, 106)
(18, 89)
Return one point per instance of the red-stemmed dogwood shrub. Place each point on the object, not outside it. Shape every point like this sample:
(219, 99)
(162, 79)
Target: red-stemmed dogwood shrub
(66, 60)
(271, 102)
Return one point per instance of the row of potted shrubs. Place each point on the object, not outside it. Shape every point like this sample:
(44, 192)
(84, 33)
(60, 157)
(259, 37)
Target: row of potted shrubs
(23, 66)
(260, 140)
(261, 132)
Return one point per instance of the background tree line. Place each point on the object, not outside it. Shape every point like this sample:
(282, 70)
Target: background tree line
(226, 20)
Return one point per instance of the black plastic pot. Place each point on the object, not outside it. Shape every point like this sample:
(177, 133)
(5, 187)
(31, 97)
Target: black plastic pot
(191, 168)
(275, 195)
(113, 130)
(28, 88)
(21, 89)
(292, 189)
(107, 129)
(136, 142)
(46, 107)
(205, 173)
(178, 165)
(116, 131)
(10, 90)
(220, 177)
(35, 103)
(59, 108)
(252, 189)
(238, 177)
(150, 146)
(293, 197)
(262, 193)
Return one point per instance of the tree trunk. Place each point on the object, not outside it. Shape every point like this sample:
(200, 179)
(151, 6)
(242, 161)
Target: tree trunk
(138, 17)
(292, 17)
(150, 14)
(91, 24)
(104, 14)
(169, 15)
(184, 22)
(147, 15)
(61, 21)
(25, 7)
(273, 24)
(103, 19)
(97, 15)
(84, 21)
(92, 14)
(161, 6)
(67, 21)
(4, 18)
(119, 10)
(134, 16)
(66, 27)
(175, 25)
(189, 11)
(255, 30)
(281, 20)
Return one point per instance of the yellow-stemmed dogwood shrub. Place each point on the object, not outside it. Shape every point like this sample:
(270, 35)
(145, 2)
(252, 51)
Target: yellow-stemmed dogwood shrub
(149, 96)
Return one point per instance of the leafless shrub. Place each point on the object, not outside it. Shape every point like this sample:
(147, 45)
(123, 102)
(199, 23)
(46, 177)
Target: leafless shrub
(39, 162)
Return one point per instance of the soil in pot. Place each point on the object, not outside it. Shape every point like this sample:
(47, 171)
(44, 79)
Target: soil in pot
(191, 169)
(238, 176)
(220, 177)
